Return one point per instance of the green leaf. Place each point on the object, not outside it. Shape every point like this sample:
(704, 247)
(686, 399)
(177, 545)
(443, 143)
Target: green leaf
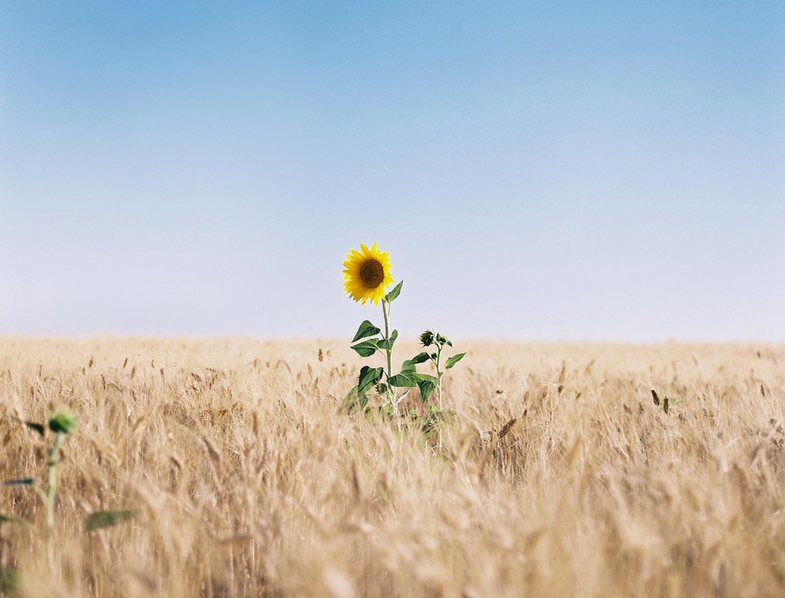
(365, 330)
(11, 519)
(426, 388)
(20, 482)
(366, 348)
(453, 360)
(37, 427)
(407, 379)
(368, 378)
(392, 295)
(427, 377)
(103, 519)
(410, 379)
(387, 344)
(355, 401)
(410, 364)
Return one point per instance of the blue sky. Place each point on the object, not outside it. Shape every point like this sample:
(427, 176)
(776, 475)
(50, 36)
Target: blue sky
(605, 171)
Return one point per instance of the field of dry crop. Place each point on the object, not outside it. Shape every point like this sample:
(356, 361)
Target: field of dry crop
(558, 477)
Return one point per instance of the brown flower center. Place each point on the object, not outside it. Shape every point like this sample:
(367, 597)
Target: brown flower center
(371, 273)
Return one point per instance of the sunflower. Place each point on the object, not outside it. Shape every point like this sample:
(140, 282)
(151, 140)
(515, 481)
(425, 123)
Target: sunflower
(366, 273)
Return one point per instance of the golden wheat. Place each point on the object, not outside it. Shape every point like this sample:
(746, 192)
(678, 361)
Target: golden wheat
(559, 476)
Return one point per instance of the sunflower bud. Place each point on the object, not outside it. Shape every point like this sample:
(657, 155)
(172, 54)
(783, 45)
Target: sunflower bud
(426, 338)
(63, 421)
(440, 339)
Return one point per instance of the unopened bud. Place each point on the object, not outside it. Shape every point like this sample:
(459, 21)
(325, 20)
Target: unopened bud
(426, 338)
(63, 421)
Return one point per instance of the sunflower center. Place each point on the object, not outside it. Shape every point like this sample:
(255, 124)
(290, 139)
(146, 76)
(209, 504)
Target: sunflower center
(372, 273)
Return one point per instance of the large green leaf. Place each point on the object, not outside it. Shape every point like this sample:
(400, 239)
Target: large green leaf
(103, 519)
(426, 388)
(409, 379)
(365, 330)
(411, 364)
(368, 378)
(453, 360)
(392, 295)
(366, 348)
(427, 377)
(387, 344)
(406, 379)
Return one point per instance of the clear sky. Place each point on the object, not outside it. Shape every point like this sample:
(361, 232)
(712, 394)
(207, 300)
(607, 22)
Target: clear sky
(586, 170)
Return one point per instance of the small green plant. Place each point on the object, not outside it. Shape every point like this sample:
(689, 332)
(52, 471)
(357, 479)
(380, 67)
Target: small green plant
(366, 276)
(439, 342)
(63, 424)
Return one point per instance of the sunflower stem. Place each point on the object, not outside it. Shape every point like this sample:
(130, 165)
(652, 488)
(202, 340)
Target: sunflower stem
(53, 466)
(390, 392)
(439, 387)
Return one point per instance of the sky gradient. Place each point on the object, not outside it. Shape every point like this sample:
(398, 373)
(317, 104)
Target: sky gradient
(559, 171)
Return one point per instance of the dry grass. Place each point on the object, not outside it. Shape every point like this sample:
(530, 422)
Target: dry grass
(560, 476)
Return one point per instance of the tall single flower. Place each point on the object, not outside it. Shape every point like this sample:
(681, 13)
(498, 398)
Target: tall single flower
(366, 274)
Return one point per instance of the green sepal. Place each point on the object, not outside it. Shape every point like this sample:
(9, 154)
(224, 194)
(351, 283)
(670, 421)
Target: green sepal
(104, 519)
(365, 330)
(366, 348)
(392, 295)
(453, 360)
(426, 338)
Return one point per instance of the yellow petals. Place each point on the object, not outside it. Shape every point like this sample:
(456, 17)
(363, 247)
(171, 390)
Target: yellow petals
(366, 273)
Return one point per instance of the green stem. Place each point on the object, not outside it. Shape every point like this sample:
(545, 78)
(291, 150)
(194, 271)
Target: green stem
(437, 363)
(439, 376)
(53, 465)
(386, 310)
(390, 392)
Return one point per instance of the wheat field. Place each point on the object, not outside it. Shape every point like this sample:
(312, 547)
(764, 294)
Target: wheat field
(559, 475)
